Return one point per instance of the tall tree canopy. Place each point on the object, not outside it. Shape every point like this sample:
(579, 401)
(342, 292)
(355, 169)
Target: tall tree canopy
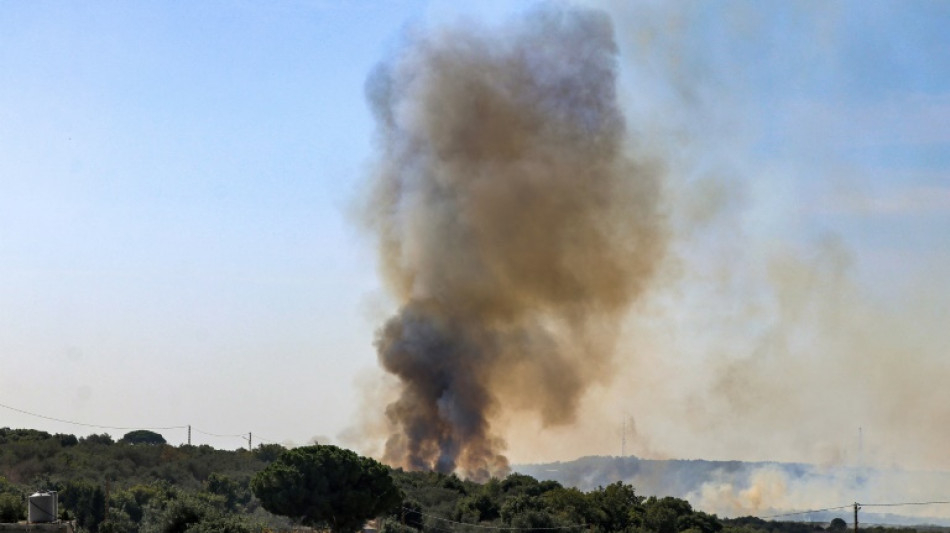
(143, 436)
(328, 486)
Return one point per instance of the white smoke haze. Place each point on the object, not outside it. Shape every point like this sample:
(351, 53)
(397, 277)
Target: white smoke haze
(772, 489)
(767, 325)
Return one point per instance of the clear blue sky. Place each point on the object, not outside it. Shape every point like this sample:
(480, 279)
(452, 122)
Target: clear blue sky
(176, 181)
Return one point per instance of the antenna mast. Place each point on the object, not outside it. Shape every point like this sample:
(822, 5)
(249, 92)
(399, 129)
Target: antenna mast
(623, 439)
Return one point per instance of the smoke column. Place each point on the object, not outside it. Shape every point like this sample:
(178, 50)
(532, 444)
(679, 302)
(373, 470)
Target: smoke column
(515, 228)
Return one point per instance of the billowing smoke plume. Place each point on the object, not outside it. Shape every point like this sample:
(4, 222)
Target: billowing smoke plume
(514, 227)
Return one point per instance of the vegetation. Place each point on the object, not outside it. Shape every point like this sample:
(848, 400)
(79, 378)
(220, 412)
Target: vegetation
(143, 436)
(326, 486)
(135, 485)
(149, 487)
(438, 502)
(751, 524)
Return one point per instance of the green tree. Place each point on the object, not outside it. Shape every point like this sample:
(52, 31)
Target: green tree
(11, 507)
(571, 505)
(617, 507)
(66, 440)
(231, 491)
(104, 439)
(143, 436)
(476, 508)
(268, 452)
(177, 514)
(324, 485)
(838, 524)
(86, 502)
(699, 521)
(670, 515)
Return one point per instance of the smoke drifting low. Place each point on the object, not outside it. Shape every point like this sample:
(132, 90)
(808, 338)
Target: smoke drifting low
(514, 227)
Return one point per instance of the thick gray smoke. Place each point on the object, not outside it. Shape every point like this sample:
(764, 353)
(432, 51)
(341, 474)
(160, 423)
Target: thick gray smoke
(514, 225)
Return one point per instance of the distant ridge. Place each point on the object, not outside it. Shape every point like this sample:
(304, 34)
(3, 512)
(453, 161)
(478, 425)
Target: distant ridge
(765, 489)
(668, 477)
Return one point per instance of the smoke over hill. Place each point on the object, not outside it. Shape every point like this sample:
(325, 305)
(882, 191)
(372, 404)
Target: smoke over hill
(735, 488)
(676, 218)
(514, 228)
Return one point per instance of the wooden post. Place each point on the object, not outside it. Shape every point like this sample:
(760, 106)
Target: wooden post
(856, 507)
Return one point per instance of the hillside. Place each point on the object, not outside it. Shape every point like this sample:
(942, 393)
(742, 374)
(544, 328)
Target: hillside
(736, 488)
(133, 486)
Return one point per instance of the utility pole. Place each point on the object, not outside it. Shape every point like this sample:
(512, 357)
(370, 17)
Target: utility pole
(189, 434)
(856, 508)
(250, 443)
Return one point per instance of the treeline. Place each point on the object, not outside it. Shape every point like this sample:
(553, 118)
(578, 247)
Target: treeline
(750, 524)
(135, 484)
(140, 484)
(438, 502)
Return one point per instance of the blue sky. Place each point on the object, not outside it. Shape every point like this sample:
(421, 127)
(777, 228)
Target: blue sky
(177, 182)
(174, 194)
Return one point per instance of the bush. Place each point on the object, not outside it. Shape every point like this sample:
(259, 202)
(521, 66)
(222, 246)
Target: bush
(11, 508)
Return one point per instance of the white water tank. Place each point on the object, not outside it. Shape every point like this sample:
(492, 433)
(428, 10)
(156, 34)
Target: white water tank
(43, 507)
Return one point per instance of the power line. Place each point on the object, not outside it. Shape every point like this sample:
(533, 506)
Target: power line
(859, 506)
(903, 504)
(237, 435)
(97, 426)
(894, 524)
(243, 436)
(806, 512)
(490, 527)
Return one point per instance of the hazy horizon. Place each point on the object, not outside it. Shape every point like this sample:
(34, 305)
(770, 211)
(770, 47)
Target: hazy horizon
(179, 242)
